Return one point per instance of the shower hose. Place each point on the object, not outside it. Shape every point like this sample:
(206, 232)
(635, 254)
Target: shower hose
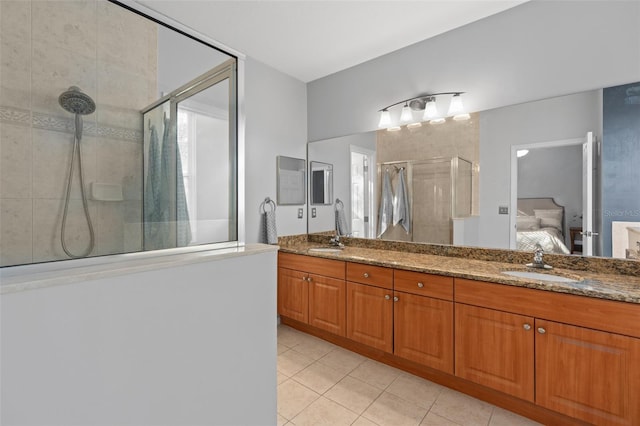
(76, 149)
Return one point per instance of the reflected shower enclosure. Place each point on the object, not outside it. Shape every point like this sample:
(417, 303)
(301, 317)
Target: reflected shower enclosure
(86, 86)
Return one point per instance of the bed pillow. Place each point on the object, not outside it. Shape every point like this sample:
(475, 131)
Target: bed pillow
(551, 218)
(527, 223)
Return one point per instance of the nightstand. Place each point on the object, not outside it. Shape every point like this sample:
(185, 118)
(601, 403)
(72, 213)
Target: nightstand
(576, 240)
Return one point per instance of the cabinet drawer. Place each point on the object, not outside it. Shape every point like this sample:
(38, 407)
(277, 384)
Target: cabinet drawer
(423, 284)
(315, 265)
(368, 274)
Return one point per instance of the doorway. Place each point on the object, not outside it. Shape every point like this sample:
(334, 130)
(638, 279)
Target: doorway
(362, 183)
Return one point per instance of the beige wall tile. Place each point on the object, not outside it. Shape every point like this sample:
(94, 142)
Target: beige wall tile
(67, 24)
(15, 231)
(15, 70)
(15, 19)
(15, 161)
(108, 224)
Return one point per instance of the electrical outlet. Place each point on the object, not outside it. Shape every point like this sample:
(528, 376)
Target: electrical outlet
(503, 210)
(313, 212)
(300, 213)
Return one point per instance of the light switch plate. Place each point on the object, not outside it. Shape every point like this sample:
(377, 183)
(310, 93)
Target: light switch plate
(313, 212)
(300, 213)
(503, 210)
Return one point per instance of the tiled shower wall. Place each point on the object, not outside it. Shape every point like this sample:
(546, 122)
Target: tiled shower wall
(111, 54)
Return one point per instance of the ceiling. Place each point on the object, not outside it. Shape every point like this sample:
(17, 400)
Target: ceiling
(311, 39)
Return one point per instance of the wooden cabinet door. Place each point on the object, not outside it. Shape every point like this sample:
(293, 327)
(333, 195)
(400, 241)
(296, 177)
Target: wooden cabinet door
(495, 349)
(587, 374)
(423, 330)
(327, 304)
(293, 294)
(370, 316)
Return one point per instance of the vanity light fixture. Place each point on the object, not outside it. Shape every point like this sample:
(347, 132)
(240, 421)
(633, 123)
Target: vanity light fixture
(427, 104)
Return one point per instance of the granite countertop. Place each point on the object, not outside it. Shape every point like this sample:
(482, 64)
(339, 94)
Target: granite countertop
(624, 288)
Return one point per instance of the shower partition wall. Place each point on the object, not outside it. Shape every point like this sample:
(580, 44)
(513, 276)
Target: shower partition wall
(439, 189)
(191, 199)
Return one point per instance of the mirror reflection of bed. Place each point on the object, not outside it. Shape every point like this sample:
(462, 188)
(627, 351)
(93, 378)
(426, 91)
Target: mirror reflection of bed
(541, 221)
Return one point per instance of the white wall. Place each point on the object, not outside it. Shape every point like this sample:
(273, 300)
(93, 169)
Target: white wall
(558, 118)
(276, 124)
(533, 51)
(337, 152)
(183, 345)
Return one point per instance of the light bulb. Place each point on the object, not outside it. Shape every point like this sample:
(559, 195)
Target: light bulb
(385, 119)
(437, 121)
(460, 117)
(430, 110)
(406, 116)
(456, 106)
(414, 125)
(394, 129)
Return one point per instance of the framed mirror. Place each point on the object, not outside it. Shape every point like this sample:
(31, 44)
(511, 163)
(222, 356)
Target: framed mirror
(321, 177)
(291, 180)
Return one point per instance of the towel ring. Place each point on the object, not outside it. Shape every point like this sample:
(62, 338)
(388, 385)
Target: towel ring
(267, 201)
(339, 203)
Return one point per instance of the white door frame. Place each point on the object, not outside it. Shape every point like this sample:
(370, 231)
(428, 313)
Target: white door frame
(514, 177)
(370, 229)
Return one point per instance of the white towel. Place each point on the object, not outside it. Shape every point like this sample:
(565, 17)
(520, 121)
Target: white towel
(401, 212)
(385, 216)
(342, 227)
(271, 235)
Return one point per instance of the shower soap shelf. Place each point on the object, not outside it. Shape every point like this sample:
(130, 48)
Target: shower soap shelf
(106, 191)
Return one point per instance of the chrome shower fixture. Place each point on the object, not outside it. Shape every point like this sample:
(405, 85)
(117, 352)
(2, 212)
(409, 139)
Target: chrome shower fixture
(77, 102)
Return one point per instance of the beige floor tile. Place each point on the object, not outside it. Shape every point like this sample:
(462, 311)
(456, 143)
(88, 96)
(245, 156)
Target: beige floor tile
(289, 336)
(375, 373)
(291, 362)
(342, 360)
(435, 420)
(282, 348)
(313, 347)
(416, 390)
(324, 412)
(293, 398)
(281, 377)
(389, 409)
(462, 408)
(354, 394)
(318, 377)
(281, 420)
(362, 421)
(502, 417)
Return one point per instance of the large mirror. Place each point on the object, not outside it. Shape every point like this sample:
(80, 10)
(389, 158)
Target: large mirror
(561, 171)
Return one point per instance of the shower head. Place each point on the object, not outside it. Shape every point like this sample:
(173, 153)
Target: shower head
(76, 102)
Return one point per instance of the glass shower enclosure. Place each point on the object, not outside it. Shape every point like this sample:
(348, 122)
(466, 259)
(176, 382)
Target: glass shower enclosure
(439, 189)
(190, 176)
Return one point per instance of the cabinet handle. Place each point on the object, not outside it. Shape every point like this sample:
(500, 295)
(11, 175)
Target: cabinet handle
(395, 298)
(541, 330)
(387, 297)
(304, 278)
(309, 279)
(365, 275)
(420, 285)
(527, 326)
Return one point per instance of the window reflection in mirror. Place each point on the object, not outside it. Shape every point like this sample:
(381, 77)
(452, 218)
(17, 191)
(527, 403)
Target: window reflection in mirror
(291, 180)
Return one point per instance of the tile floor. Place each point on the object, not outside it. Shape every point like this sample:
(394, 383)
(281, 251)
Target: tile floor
(322, 384)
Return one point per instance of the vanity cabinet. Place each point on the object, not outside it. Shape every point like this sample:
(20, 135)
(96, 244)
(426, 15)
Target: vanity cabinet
(370, 305)
(495, 349)
(312, 290)
(423, 319)
(504, 341)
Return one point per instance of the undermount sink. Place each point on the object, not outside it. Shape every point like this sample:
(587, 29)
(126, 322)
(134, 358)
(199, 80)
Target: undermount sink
(325, 250)
(539, 276)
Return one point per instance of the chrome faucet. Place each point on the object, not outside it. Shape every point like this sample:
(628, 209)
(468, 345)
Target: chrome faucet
(335, 241)
(538, 261)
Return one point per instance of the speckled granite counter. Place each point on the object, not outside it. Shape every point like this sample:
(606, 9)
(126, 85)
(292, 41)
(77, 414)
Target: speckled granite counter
(604, 284)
